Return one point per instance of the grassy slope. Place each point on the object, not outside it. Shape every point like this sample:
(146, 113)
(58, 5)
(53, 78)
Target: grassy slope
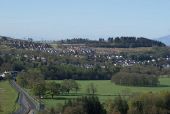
(106, 90)
(7, 97)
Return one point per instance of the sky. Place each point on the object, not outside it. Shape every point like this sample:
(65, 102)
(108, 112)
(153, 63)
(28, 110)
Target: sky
(93, 19)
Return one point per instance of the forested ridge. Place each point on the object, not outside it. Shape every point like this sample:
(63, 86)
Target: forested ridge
(118, 42)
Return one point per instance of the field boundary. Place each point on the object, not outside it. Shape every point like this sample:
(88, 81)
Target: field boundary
(29, 98)
(16, 102)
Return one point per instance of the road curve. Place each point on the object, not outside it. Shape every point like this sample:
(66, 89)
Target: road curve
(26, 106)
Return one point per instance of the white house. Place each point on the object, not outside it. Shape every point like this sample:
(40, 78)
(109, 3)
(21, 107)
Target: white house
(2, 75)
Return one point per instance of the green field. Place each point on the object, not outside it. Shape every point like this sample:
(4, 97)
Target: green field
(8, 97)
(107, 90)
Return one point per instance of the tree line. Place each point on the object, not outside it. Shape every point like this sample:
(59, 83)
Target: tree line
(137, 76)
(140, 103)
(118, 42)
(34, 80)
(60, 72)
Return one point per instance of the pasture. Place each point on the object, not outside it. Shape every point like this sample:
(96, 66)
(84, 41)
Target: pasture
(106, 90)
(8, 98)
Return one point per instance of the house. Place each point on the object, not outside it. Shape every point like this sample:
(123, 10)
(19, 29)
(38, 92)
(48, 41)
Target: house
(2, 75)
(12, 73)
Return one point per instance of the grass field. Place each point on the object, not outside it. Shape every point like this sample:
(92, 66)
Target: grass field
(107, 90)
(8, 97)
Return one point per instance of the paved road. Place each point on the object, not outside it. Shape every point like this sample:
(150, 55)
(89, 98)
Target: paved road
(26, 106)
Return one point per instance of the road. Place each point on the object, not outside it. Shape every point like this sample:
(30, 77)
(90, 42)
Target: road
(26, 106)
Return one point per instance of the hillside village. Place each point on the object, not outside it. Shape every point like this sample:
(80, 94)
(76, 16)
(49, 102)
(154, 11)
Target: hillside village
(79, 51)
(91, 56)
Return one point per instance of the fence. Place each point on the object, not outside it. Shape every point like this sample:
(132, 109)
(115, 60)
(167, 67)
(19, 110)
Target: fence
(37, 105)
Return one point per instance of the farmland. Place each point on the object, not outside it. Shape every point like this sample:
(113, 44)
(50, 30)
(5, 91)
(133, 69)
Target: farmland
(8, 98)
(106, 90)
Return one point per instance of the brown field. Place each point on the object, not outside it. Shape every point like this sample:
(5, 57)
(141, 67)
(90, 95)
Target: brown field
(118, 50)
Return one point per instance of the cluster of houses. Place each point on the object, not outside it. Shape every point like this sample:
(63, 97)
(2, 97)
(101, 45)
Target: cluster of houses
(28, 45)
(13, 74)
(116, 58)
(92, 54)
(35, 58)
(24, 44)
(76, 51)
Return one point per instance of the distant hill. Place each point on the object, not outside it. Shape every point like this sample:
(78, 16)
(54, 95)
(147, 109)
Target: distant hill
(22, 44)
(165, 39)
(5, 38)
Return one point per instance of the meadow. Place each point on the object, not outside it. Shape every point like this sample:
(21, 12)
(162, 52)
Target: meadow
(8, 98)
(106, 90)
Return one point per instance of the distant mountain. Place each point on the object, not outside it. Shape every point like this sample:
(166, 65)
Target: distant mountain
(165, 40)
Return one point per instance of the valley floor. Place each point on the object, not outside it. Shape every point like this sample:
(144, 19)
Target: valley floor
(106, 90)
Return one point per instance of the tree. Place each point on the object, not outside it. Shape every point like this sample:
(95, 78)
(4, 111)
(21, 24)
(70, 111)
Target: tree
(34, 77)
(91, 89)
(75, 85)
(30, 78)
(110, 40)
(53, 88)
(8, 76)
(65, 86)
(6, 66)
(167, 101)
(121, 105)
(39, 89)
(78, 109)
(148, 103)
(1, 61)
(18, 66)
(52, 111)
(84, 105)
(21, 80)
(109, 106)
(68, 84)
(135, 77)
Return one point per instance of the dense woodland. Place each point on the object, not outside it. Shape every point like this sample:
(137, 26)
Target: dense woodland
(118, 42)
(72, 72)
(137, 76)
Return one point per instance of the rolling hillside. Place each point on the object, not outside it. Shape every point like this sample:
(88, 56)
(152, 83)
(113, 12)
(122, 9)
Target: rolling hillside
(165, 39)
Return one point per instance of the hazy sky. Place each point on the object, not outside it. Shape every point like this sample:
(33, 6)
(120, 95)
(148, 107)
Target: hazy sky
(58, 19)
